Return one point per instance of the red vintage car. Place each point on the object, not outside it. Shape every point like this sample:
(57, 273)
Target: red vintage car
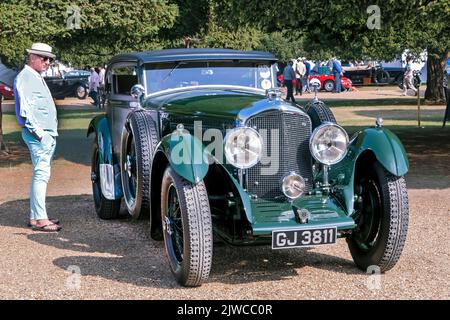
(6, 92)
(326, 81)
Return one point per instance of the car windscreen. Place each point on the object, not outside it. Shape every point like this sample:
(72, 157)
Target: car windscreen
(163, 76)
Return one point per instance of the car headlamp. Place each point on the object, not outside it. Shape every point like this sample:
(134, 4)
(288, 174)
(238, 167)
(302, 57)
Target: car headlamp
(243, 147)
(329, 143)
(293, 185)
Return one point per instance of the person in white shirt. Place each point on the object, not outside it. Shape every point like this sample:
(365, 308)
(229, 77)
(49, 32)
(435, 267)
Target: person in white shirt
(300, 70)
(36, 114)
(94, 81)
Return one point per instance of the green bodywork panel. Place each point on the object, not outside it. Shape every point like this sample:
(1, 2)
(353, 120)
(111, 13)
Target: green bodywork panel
(387, 149)
(186, 155)
(386, 146)
(324, 210)
(99, 125)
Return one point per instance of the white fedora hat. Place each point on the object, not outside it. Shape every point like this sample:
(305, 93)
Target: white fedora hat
(41, 49)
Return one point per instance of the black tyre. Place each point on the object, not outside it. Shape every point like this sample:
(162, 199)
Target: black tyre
(187, 228)
(319, 113)
(81, 92)
(138, 146)
(328, 85)
(105, 209)
(381, 217)
(382, 76)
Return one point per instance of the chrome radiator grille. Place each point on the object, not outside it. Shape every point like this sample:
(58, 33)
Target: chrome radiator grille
(286, 144)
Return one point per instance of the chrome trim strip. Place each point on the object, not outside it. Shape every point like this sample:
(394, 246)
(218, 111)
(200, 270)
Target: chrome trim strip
(271, 105)
(217, 87)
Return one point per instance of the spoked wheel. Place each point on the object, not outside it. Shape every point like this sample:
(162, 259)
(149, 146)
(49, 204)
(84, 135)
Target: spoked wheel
(187, 228)
(328, 85)
(105, 208)
(381, 217)
(139, 140)
(130, 172)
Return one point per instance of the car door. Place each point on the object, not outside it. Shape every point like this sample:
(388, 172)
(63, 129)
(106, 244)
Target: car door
(119, 103)
(56, 86)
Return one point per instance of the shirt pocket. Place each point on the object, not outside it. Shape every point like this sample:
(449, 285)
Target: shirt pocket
(40, 102)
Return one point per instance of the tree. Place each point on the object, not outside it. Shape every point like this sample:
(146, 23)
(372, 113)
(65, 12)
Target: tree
(343, 28)
(106, 28)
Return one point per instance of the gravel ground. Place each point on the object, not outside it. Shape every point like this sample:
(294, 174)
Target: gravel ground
(118, 260)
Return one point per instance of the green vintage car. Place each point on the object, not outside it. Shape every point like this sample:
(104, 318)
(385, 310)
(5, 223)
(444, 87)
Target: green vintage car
(201, 143)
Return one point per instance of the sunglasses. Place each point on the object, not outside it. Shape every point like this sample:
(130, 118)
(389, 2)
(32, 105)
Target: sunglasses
(45, 59)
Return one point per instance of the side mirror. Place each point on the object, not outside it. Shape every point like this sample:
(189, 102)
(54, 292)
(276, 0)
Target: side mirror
(137, 91)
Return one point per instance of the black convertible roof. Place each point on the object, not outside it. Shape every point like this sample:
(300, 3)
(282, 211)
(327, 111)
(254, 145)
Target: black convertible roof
(192, 55)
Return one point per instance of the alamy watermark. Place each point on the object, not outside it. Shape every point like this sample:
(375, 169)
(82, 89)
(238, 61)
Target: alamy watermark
(374, 19)
(374, 280)
(207, 146)
(73, 281)
(73, 17)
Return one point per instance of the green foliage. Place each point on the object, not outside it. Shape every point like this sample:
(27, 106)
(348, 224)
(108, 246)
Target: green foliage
(283, 45)
(108, 27)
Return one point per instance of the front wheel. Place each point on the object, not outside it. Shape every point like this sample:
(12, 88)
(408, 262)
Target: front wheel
(381, 217)
(187, 228)
(139, 140)
(328, 85)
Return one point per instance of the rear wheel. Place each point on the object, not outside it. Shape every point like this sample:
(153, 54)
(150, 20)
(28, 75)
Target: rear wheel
(328, 85)
(105, 209)
(381, 217)
(382, 76)
(187, 228)
(138, 145)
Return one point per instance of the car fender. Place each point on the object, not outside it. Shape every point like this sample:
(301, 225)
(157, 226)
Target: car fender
(386, 147)
(383, 144)
(111, 184)
(185, 154)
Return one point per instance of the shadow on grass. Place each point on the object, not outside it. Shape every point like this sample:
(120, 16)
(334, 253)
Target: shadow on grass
(371, 102)
(72, 145)
(428, 152)
(121, 250)
(426, 114)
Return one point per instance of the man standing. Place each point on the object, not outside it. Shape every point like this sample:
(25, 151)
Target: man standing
(308, 71)
(94, 81)
(300, 71)
(408, 78)
(288, 77)
(337, 71)
(36, 114)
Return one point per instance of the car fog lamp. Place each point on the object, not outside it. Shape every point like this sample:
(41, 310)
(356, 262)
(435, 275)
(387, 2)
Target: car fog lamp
(243, 147)
(329, 143)
(293, 185)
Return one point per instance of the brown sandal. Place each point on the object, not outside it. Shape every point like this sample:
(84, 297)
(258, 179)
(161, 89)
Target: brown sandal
(52, 220)
(51, 227)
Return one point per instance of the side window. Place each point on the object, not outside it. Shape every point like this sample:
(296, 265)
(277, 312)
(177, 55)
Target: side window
(123, 78)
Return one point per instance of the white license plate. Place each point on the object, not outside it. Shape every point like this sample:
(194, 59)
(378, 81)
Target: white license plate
(284, 239)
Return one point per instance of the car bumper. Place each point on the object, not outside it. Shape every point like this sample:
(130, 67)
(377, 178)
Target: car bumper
(323, 211)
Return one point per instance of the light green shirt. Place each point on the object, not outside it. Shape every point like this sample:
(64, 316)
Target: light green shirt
(36, 103)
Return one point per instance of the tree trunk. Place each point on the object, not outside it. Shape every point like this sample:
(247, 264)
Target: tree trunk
(3, 146)
(435, 69)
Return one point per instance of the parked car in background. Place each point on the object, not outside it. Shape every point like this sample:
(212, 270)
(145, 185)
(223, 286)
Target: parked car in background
(200, 143)
(69, 84)
(367, 74)
(6, 92)
(326, 81)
